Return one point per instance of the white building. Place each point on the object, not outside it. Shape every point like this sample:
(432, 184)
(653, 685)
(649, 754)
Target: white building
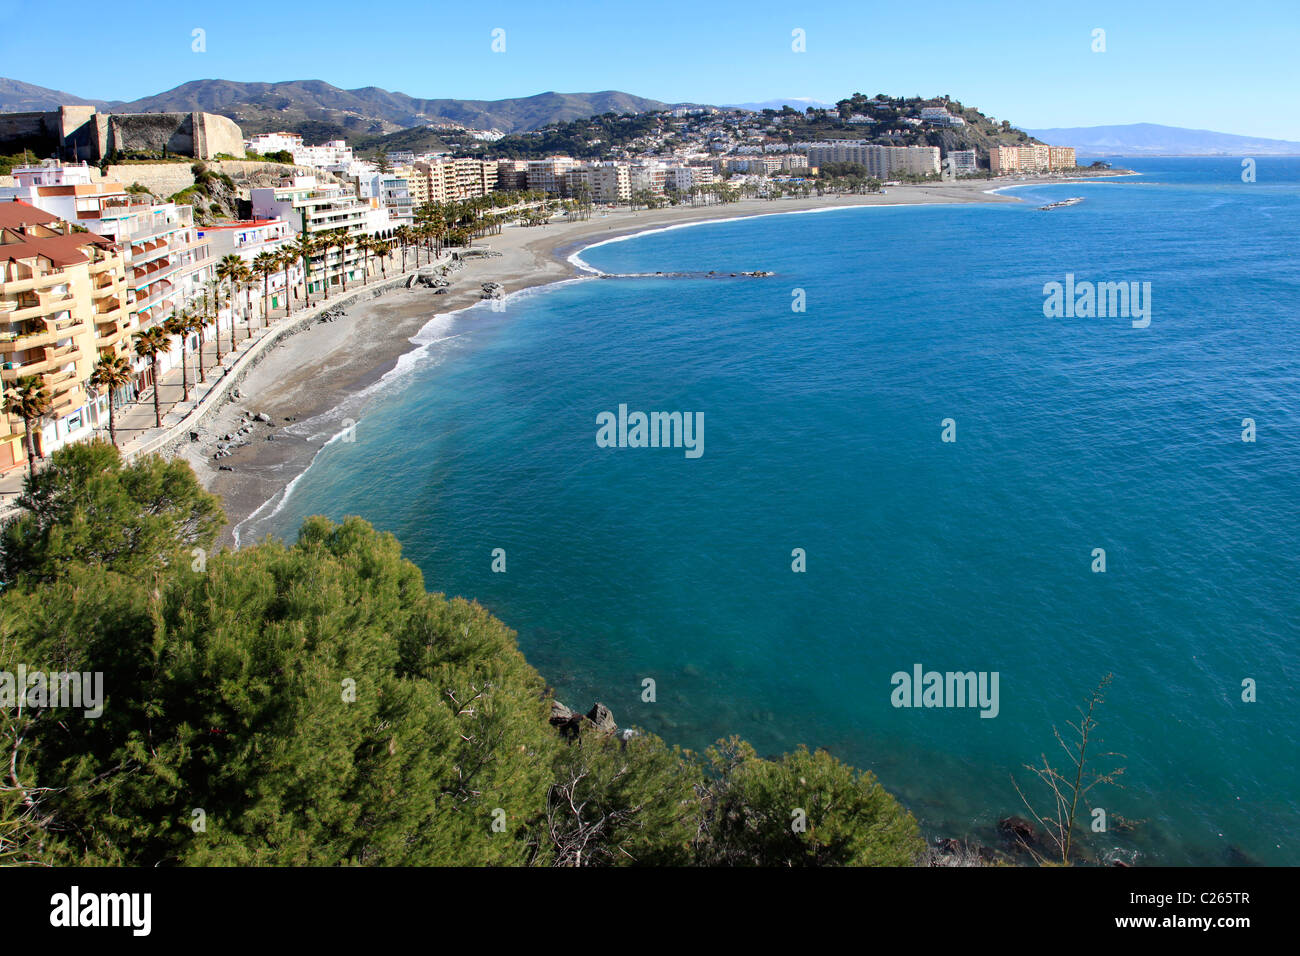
(248, 239)
(314, 209)
(964, 162)
(393, 192)
(880, 161)
(938, 116)
(336, 152)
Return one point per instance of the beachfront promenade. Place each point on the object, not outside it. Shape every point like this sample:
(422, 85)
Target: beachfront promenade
(137, 430)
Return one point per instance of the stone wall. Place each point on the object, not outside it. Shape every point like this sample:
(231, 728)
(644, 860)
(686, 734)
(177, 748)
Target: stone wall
(161, 179)
(38, 132)
(78, 133)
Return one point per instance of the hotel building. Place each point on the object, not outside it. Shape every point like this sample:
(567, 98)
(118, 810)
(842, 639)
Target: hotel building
(313, 208)
(549, 175)
(1033, 158)
(250, 238)
(880, 161)
(450, 180)
(63, 302)
(603, 182)
(166, 261)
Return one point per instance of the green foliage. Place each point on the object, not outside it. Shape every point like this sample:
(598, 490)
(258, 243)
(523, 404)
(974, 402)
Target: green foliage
(313, 704)
(618, 802)
(229, 691)
(806, 809)
(86, 507)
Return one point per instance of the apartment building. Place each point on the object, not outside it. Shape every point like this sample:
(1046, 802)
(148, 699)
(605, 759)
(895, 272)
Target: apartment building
(443, 179)
(647, 177)
(549, 175)
(313, 208)
(681, 179)
(512, 174)
(964, 162)
(602, 182)
(166, 260)
(250, 238)
(1062, 157)
(335, 153)
(1031, 158)
(268, 143)
(393, 191)
(63, 302)
(880, 161)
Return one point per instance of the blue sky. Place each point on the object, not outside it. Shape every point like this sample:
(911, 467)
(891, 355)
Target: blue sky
(1229, 67)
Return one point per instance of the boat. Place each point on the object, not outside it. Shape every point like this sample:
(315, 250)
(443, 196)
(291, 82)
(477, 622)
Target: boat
(1072, 201)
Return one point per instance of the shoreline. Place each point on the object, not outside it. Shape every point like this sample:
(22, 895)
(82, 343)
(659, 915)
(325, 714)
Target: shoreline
(330, 367)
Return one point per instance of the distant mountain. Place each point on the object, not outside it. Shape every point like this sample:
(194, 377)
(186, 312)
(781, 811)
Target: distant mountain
(800, 103)
(19, 97)
(321, 111)
(1151, 139)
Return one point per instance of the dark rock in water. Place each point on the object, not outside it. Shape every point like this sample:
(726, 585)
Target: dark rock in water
(194, 436)
(225, 468)
(602, 719)
(565, 721)
(559, 713)
(1018, 828)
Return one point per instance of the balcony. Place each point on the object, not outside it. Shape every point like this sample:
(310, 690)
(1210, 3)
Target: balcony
(49, 365)
(155, 273)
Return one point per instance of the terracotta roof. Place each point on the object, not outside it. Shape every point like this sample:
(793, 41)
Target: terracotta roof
(61, 250)
(16, 214)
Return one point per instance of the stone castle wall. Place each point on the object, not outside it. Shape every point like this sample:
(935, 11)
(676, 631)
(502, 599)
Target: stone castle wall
(79, 133)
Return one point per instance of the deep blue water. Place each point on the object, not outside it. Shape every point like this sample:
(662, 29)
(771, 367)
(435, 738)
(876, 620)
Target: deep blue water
(822, 432)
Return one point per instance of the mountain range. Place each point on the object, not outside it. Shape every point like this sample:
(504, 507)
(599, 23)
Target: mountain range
(319, 110)
(1150, 139)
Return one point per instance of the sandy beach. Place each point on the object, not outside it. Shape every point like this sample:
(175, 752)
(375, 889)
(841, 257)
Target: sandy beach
(317, 369)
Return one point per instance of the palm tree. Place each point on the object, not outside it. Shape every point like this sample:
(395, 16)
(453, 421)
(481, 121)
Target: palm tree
(111, 373)
(404, 237)
(212, 286)
(385, 249)
(244, 278)
(340, 239)
(228, 270)
(264, 264)
(178, 324)
(29, 399)
(149, 344)
(302, 248)
(369, 245)
(286, 259)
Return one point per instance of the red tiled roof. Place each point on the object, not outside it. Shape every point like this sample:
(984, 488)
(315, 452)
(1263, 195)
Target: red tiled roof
(62, 250)
(16, 214)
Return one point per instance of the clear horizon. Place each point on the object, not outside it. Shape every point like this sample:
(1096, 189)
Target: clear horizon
(1171, 64)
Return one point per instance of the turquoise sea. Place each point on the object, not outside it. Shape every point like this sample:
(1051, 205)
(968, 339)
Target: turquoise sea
(823, 432)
